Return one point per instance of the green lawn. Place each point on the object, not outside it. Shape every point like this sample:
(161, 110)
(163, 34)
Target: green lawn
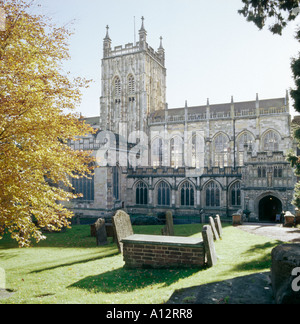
(69, 268)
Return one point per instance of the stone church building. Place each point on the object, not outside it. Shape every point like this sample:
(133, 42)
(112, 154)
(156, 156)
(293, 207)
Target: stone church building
(213, 159)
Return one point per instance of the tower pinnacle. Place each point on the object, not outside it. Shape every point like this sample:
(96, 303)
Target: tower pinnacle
(107, 35)
(106, 43)
(143, 35)
(161, 51)
(143, 28)
(161, 45)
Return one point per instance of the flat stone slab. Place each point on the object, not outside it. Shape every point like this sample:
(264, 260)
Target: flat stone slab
(165, 240)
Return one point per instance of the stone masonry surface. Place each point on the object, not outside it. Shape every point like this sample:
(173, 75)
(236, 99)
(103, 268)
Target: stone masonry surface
(150, 251)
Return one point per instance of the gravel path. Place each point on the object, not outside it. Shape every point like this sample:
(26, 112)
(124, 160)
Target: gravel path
(275, 231)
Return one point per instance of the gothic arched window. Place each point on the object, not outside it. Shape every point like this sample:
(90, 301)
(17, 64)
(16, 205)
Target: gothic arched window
(116, 183)
(221, 151)
(85, 187)
(261, 172)
(245, 141)
(195, 153)
(176, 150)
(235, 193)
(117, 85)
(212, 192)
(131, 85)
(271, 141)
(278, 171)
(157, 152)
(141, 194)
(187, 197)
(163, 194)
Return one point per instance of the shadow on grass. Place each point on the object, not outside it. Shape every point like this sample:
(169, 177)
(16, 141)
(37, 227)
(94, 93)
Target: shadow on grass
(262, 262)
(251, 289)
(5, 256)
(107, 253)
(121, 280)
(75, 237)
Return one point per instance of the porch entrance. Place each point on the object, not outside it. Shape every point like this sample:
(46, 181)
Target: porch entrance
(269, 207)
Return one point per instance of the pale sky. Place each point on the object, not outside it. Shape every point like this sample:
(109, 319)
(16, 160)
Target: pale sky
(211, 51)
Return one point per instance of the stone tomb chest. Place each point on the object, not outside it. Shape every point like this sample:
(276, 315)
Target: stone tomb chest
(155, 251)
(143, 251)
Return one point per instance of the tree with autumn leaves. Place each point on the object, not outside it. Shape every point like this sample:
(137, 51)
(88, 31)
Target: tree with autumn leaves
(37, 120)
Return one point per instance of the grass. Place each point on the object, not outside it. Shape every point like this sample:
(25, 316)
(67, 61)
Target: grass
(69, 268)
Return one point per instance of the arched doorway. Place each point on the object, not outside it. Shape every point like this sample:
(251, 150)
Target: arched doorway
(269, 207)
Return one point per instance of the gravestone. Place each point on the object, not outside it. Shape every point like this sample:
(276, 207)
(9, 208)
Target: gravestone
(289, 219)
(93, 230)
(236, 219)
(76, 219)
(213, 228)
(219, 225)
(110, 231)
(122, 227)
(168, 230)
(209, 245)
(100, 230)
(285, 271)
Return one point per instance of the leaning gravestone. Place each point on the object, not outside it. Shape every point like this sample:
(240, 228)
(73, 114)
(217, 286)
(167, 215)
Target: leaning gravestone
(122, 227)
(209, 245)
(213, 228)
(168, 230)
(219, 225)
(100, 230)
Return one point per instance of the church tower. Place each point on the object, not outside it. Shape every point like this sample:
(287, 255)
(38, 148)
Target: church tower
(133, 84)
